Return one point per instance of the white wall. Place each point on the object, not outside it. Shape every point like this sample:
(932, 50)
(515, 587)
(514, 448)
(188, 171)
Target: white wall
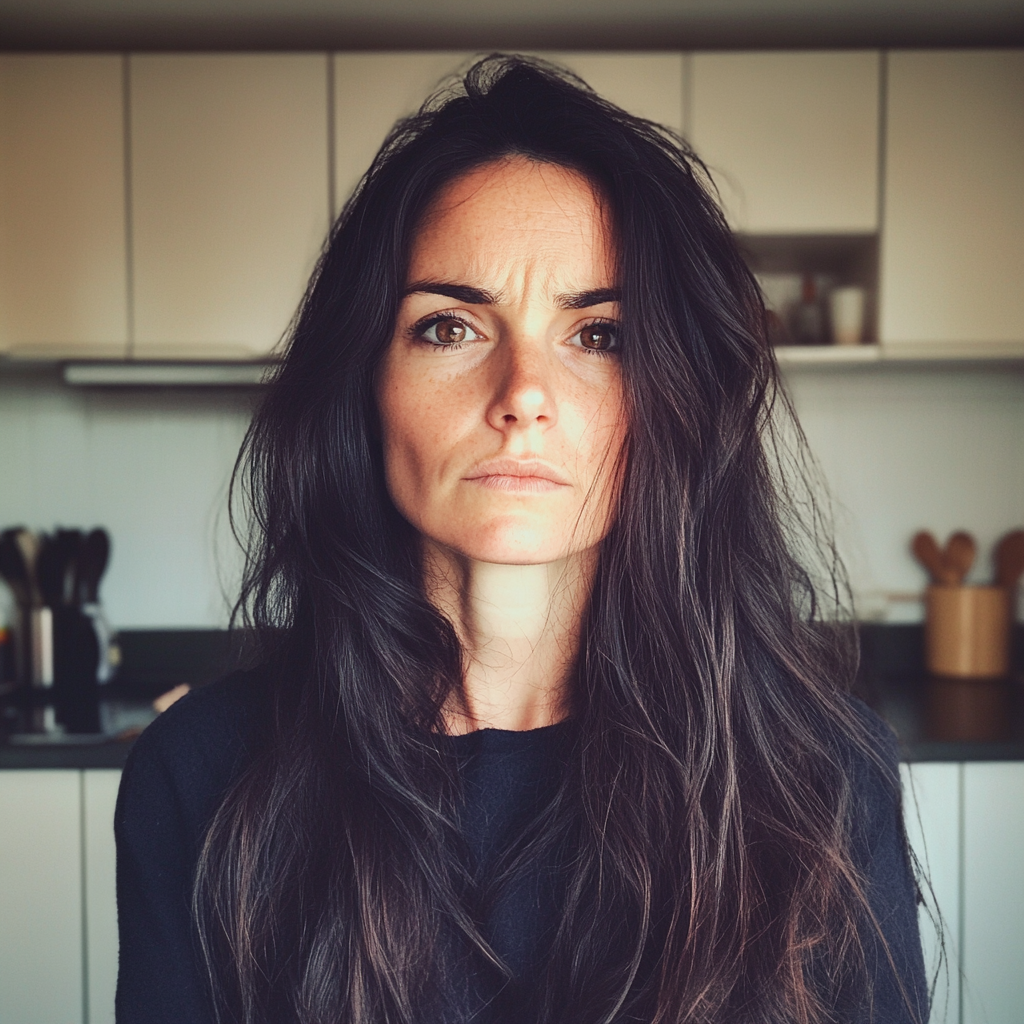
(903, 448)
(151, 466)
(906, 448)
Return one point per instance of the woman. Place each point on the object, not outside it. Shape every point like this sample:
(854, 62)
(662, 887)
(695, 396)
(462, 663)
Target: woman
(548, 726)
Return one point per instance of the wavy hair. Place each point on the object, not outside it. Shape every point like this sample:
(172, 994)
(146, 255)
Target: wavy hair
(708, 801)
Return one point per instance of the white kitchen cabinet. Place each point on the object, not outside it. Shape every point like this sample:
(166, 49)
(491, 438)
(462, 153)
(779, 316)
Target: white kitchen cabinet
(649, 85)
(791, 139)
(953, 239)
(63, 272)
(40, 898)
(965, 823)
(99, 795)
(993, 893)
(229, 198)
(372, 90)
(932, 810)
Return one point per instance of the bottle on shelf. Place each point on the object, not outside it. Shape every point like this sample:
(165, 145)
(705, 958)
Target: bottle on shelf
(808, 316)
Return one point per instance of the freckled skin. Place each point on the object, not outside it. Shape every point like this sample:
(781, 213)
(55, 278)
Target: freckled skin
(523, 384)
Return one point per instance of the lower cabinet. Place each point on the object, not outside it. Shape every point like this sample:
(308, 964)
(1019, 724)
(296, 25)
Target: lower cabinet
(993, 893)
(965, 823)
(932, 810)
(58, 916)
(41, 949)
(99, 794)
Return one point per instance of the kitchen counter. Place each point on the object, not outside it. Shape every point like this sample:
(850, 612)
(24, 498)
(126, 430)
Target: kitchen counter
(941, 719)
(936, 720)
(905, 703)
(109, 753)
(122, 717)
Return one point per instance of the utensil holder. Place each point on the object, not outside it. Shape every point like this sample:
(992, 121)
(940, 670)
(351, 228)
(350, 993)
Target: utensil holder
(967, 631)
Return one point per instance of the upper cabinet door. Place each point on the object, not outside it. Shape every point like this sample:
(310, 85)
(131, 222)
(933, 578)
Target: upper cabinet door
(953, 243)
(649, 85)
(229, 198)
(791, 139)
(373, 90)
(62, 218)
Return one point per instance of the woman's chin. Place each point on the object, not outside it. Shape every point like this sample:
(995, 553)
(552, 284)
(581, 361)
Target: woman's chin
(510, 546)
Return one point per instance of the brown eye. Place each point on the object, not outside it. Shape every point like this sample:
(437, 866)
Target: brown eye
(450, 332)
(598, 337)
(447, 330)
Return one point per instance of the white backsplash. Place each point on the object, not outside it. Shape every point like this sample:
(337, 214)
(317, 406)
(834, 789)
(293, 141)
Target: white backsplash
(152, 466)
(906, 448)
(903, 448)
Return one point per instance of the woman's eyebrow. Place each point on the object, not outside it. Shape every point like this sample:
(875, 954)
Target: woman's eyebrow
(461, 292)
(582, 300)
(479, 297)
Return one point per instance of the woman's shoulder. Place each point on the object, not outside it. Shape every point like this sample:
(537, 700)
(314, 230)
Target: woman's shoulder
(877, 756)
(187, 758)
(209, 724)
(872, 756)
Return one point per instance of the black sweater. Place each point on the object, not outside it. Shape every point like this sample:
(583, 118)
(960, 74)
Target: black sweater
(182, 765)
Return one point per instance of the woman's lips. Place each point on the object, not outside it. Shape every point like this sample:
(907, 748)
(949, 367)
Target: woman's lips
(518, 476)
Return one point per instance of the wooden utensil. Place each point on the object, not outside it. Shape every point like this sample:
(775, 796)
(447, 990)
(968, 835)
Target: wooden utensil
(959, 556)
(947, 566)
(927, 551)
(1009, 559)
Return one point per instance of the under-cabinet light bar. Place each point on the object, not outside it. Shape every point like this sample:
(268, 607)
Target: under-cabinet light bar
(165, 374)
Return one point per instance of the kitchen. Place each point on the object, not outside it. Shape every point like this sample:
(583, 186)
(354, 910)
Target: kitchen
(131, 204)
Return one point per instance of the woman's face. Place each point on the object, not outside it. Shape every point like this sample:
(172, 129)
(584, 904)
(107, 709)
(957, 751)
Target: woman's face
(500, 395)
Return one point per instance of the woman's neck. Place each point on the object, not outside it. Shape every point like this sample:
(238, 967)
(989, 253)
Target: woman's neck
(519, 626)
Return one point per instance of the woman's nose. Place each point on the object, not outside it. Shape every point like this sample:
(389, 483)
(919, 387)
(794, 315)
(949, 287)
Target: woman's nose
(524, 391)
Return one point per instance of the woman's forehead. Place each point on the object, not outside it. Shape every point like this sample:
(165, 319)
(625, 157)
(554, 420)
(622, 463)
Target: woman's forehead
(517, 213)
(514, 180)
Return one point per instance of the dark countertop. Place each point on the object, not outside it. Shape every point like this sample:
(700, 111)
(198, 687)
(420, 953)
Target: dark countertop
(936, 720)
(106, 754)
(956, 720)
(941, 719)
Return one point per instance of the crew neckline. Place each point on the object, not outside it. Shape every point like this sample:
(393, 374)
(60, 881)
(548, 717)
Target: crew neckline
(503, 740)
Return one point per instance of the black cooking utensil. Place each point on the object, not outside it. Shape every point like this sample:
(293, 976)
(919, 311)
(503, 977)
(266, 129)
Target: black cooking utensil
(50, 571)
(92, 564)
(13, 567)
(70, 544)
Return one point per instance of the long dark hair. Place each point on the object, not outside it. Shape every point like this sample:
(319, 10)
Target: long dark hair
(708, 801)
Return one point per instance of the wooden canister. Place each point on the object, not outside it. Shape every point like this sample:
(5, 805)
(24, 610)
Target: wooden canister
(967, 631)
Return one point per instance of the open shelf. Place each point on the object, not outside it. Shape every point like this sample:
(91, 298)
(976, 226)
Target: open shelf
(783, 263)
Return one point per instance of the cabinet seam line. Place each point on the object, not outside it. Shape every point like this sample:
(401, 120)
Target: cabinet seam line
(129, 235)
(880, 176)
(961, 881)
(883, 130)
(83, 874)
(332, 198)
(687, 126)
